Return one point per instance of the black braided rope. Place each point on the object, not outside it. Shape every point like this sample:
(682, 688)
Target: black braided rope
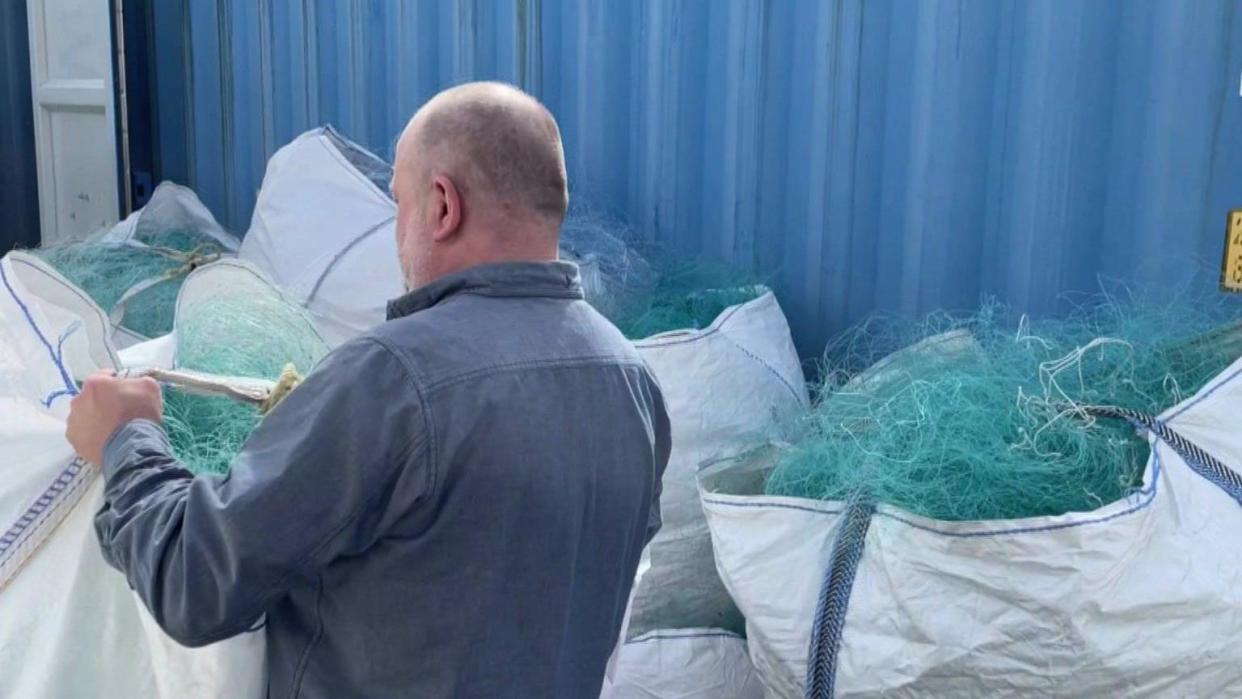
(1201, 462)
(834, 600)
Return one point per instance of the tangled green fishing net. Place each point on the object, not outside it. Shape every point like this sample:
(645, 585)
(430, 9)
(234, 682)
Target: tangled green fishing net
(981, 417)
(253, 336)
(645, 290)
(687, 295)
(106, 270)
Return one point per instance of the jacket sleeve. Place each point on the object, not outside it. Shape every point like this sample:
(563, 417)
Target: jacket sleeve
(323, 475)
(663, 447)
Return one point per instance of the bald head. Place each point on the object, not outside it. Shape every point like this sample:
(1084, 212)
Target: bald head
(501, 146)
(479, 179)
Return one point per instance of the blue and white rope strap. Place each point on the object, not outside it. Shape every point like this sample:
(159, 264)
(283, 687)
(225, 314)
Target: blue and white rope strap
(834, 599)
(37, 523)
(1199, 461)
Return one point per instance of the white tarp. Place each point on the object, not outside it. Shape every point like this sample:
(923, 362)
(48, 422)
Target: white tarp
(726, 387)
(323, 231)
(69, 625)
(1140, 598)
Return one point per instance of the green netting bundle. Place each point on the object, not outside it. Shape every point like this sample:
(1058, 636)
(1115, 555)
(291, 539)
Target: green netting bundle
(107, 270)
(981, 417)
(252, 335)
(653, 291)
(687, 295)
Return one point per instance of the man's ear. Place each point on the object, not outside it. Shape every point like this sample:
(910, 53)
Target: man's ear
(446, 200)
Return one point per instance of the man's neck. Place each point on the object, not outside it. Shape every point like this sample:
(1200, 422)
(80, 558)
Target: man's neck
(456, 266)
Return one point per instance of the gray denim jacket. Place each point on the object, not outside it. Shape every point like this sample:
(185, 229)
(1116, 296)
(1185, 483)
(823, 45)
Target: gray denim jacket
(452, 505)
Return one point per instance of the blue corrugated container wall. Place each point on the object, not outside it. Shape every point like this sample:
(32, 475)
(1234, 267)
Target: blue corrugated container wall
(884, 155)
(19, 187)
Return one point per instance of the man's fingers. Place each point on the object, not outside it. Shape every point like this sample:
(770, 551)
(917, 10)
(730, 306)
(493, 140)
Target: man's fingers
(144, 385)
(97, 380)
(151, 385)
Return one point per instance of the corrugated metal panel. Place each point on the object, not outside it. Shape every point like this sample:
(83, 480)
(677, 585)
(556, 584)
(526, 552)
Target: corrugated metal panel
(884, 155)
(19, 177)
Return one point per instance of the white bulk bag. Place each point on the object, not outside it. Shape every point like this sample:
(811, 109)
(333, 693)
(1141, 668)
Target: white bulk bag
(678, 664)
(726, 387)
(170, 208)
(228, 278)
(1140, 598)
(324, 231)
(51, 333)
(684, 664)
(157, 353)
(71, 627)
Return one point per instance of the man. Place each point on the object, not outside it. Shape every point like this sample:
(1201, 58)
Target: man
(452, 505)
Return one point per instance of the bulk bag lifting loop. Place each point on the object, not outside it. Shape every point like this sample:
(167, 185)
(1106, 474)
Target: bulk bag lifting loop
(849, 541)
(1199, 461)
(834, 599)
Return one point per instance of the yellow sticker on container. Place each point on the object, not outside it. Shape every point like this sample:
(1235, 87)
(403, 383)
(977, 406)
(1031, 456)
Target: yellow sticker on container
(1231, 271)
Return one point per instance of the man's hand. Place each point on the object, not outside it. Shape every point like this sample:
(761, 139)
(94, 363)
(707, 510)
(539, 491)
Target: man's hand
(104, 405)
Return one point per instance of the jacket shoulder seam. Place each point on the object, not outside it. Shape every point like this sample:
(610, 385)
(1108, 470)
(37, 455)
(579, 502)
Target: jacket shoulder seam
(412, 377)
(559, 363)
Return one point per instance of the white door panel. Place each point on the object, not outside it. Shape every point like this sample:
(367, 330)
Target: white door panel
(75, 134)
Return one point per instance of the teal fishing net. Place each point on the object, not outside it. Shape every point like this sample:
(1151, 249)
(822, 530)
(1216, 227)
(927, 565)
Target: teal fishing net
(981, 417)
(687, 295)
(107, 270)
(645, 290)
(253, 336)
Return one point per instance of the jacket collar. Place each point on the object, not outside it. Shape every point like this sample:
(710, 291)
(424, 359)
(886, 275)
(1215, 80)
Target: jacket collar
(516, 279)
